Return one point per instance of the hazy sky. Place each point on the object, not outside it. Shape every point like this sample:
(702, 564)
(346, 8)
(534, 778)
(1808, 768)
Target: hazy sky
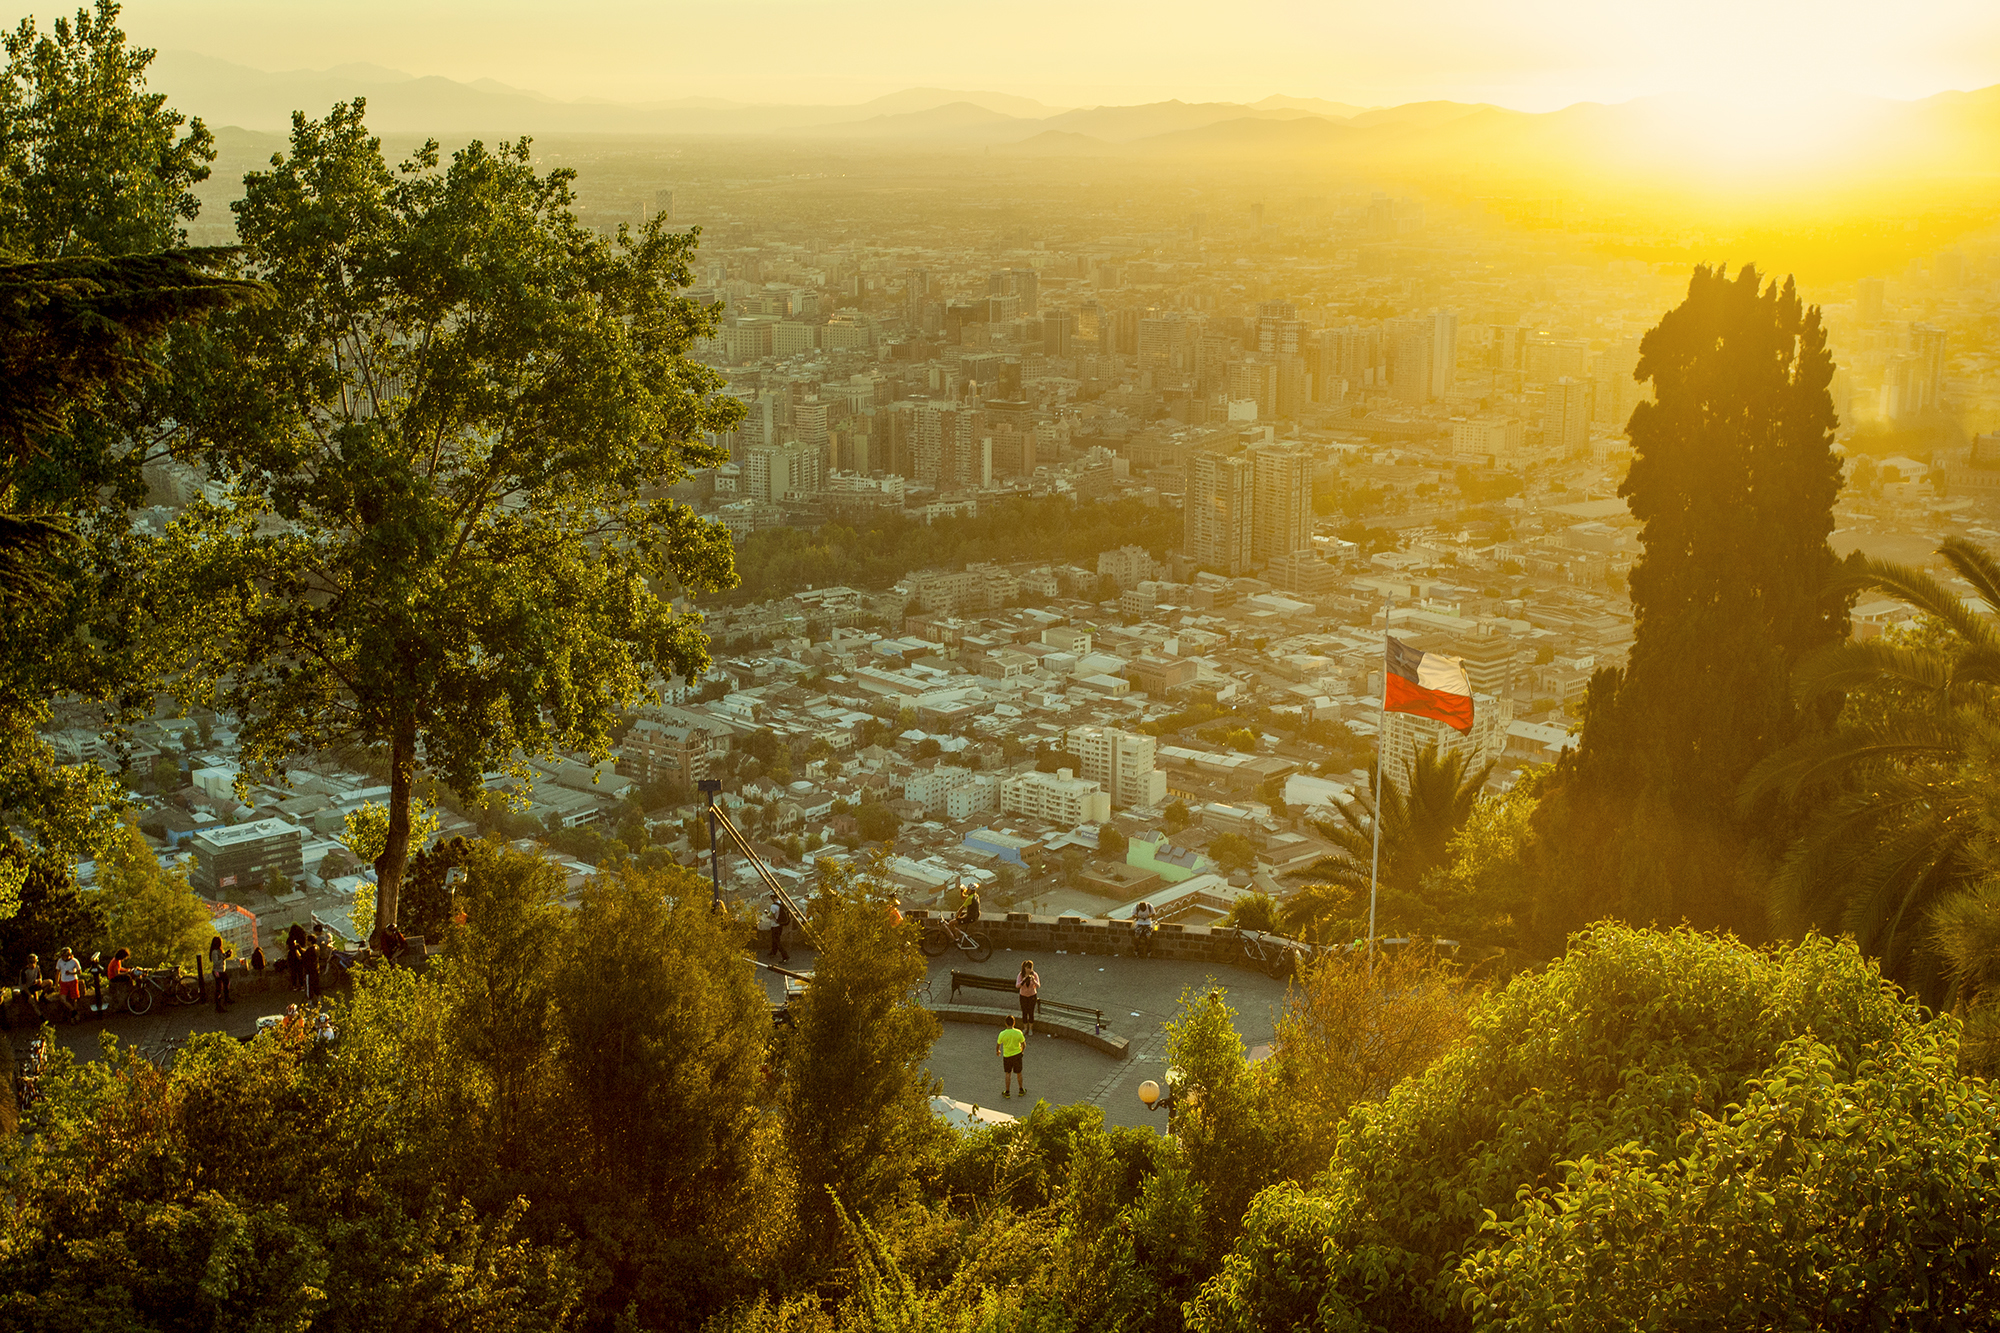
(1529, 54)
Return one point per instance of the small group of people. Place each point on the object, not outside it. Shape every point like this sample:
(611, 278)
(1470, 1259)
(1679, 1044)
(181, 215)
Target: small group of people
(65, 990)
(309, 958)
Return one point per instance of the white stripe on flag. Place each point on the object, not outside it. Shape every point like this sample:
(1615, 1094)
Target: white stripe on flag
(1443, 674)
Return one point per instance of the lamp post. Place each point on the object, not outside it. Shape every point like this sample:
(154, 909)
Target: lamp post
(1156, 1097)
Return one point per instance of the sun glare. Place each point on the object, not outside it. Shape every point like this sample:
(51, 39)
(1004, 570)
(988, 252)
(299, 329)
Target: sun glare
(1740, 129)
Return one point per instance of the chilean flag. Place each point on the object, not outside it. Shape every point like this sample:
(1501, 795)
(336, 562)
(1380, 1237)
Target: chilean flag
(1427, 685)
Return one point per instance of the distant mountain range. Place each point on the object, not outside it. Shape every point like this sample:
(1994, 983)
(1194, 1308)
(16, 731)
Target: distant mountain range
(1952, 133)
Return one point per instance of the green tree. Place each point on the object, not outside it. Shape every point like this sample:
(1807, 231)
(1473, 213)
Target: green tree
(1253, 911)
(41, 908)
(1898, 797)
(859, 1042)
(1176, 816)
(96, 177)
(149, 908)
(365, 833)
(1634, 1048)
(876, 821)
(1219, 1114)
(1733, 478)
(1111, 844)
(452, 408)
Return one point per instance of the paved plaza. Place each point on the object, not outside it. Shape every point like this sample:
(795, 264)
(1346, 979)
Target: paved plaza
(1137, 996)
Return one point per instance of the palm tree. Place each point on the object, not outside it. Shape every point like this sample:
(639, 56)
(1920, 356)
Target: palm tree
(1901, 788)
(1419, 817)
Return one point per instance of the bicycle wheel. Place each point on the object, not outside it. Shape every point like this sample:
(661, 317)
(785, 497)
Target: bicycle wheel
(190, 991)
(138, 998)
(936, 941)
(980, 949)
(1278, 964)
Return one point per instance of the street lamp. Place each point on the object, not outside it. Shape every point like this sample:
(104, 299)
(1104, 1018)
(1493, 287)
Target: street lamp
(1158, 1098)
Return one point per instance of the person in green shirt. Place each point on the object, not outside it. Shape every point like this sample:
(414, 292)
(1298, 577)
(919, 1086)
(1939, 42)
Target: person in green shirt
(1012, 1039)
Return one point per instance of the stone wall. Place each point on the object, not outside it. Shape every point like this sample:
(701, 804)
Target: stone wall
(1025, 933)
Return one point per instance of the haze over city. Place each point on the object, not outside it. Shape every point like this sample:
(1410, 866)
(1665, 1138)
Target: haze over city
(1391, 612)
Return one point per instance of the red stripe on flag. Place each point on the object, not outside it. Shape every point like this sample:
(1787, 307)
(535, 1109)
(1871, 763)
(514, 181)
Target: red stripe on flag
(1406, 696)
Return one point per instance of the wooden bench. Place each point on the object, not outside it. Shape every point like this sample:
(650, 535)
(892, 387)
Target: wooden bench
(1085, 1033)
(1075, 1012)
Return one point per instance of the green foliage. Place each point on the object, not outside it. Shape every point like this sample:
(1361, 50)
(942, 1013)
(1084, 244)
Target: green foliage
(1421, 815)
(1111, 844)
(1837, 1195)
(1632, 1042)
(1233, 852)
(45, 909)
(1176, 816)
(858, 1043)
(452, 408)
(780, 561)
(876, 821)
(1734, 478)
(1897, 799)
(148, 908)
(1219, 1115)
(1253, 911)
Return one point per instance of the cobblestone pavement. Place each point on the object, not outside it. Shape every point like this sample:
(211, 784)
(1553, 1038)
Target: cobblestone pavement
(1137, 996)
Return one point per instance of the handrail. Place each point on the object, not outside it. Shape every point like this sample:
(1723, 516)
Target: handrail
(728, 825)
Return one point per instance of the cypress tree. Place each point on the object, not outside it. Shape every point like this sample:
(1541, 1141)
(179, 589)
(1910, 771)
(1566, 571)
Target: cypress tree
(1734, 478)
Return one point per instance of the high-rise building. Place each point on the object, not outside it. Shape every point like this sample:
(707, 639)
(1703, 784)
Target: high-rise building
(1121, 762)
(781, 471)
(1408, 344)
(1444, 351)
(1217, 532)
(663, 203)
(1279, 330)
(1060, 797)
(1058, 331)
(809, 420)
(935, 448)
(1281, 501)
(1868, 308)
(1255, 381)
(1566, 415)
(1489, 440)
(1404, 734)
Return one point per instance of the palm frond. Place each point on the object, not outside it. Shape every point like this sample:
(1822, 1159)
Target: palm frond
(1927, 594)
(1846, 666)
(1975, 565)
(1840, 754)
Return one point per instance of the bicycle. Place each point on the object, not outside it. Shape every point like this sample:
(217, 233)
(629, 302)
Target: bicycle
(28, 1076)
(942, 934)
(150, 985)
(1274, 958)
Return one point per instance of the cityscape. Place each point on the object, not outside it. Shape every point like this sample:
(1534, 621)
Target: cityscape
(1393, 616)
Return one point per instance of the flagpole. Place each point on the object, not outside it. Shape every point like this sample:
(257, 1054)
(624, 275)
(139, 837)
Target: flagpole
(1381, 733)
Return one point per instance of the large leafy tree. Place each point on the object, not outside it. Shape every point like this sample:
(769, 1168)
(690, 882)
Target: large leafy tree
(96, 177)
(452, 415)
(1899, 796)
(1733, 477)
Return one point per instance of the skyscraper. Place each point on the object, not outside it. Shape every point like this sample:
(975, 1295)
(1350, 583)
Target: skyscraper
(1281, 501)
(1121, 762)
(1217, 531)
(1408, 344)
(1566, 415)
(1058, 329)
(1444, 351)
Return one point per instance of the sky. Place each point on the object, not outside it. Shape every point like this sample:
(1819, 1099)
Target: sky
(1532, 55)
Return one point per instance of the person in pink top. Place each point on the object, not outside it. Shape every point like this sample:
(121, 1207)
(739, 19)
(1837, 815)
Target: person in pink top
(1029, 985)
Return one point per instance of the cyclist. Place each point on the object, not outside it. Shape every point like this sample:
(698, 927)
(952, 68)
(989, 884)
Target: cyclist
(968, 907)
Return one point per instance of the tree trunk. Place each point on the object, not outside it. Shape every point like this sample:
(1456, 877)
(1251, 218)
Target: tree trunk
(395, 857)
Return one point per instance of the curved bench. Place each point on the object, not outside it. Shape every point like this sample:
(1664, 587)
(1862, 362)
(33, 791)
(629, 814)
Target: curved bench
(1116, 1047)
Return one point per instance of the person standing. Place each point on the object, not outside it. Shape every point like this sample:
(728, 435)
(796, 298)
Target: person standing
(1010, 1044)
(1028, 985)
(778, 931)
(69, 982)
(218, 967)
(257, 965)
(295, 955)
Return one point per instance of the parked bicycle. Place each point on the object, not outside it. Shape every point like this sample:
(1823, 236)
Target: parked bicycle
(943, 933)
(28, 1076)
(160, 983)
(1276, 958)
